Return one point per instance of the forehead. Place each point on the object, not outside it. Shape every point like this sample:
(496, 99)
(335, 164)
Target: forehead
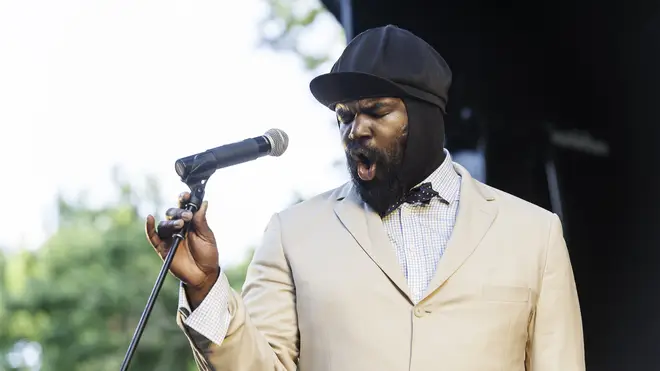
(368, 103)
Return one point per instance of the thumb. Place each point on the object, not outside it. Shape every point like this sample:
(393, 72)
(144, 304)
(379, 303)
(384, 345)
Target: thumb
(199, 222)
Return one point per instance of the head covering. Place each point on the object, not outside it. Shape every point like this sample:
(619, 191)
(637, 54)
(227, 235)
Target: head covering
(385, 62)
(424, 151)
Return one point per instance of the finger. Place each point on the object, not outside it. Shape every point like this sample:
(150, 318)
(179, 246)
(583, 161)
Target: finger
(167, 228)
(175, 213)
(184, 198)
(200, 223)
(150, 229)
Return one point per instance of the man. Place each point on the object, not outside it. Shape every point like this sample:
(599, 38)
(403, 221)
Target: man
(413, 265)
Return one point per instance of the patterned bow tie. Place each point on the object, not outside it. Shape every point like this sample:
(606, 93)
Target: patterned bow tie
(418, 195)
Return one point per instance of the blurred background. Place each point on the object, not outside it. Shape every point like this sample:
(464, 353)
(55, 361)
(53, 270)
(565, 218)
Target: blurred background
(556, 103)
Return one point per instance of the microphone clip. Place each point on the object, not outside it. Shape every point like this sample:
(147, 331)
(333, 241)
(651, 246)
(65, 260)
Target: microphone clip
(196, 171)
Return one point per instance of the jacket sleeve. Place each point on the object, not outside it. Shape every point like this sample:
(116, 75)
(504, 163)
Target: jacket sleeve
(556, 340)
(262, 331)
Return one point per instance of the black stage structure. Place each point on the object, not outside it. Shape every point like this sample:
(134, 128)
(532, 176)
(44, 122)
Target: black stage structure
(565, 101)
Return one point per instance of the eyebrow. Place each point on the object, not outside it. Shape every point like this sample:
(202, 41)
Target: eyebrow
(367, 106)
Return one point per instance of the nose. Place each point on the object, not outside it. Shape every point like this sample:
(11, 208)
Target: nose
(360, 130)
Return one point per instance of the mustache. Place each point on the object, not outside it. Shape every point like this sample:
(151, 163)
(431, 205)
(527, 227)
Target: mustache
(359, 153)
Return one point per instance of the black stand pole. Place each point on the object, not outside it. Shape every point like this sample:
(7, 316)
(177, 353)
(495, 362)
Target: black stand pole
(196, 198)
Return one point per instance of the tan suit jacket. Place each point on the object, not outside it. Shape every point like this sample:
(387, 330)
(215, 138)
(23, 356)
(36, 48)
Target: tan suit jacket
(324, 292)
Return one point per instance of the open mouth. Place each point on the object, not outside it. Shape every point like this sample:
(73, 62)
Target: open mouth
(366, 169)
(363, 159)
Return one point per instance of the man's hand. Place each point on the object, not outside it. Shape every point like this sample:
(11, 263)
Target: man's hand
(195, 262)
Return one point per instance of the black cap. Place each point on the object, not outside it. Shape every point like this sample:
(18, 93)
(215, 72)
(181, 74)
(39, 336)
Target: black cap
(385, 62)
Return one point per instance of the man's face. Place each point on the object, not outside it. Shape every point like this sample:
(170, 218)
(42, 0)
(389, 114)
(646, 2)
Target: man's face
(374, 133)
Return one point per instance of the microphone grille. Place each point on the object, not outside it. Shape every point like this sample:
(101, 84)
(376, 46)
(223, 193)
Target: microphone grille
(279, 141)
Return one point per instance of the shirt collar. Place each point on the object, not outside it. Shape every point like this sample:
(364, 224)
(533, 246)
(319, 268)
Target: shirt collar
(445, 180)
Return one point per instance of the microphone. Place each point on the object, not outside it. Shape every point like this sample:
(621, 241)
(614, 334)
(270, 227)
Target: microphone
(273, 143)
(195, 170)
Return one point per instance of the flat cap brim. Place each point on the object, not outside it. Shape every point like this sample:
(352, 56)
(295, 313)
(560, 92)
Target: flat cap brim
(336, 87)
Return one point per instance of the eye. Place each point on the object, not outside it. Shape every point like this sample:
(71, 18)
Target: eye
(375, 112)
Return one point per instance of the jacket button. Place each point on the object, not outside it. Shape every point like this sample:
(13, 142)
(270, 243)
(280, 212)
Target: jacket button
(419, 312)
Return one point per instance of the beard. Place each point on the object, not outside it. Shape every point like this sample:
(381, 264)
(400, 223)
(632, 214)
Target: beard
(387, 185)
(401, 166)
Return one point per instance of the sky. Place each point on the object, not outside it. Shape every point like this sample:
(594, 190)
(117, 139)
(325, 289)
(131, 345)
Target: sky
(89, 85)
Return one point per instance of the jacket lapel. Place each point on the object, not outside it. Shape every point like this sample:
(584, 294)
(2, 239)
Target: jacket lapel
(367, 229)
(476, 212)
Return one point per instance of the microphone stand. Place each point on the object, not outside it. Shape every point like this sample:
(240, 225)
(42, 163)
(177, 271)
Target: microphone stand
(196, 181)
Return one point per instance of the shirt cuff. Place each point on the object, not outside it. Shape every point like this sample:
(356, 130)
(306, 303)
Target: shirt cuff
(211, 318)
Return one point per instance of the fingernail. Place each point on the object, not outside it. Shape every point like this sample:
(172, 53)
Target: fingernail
(186, 215)
(179, 223)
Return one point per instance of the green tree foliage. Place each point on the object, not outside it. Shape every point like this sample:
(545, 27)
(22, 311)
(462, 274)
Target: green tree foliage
(81, 294)
(73, 304)
(287, 21)
(75, 301)
(236, 274)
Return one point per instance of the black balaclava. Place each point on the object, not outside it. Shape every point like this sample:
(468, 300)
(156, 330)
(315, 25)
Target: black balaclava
(409, 162)
(425, 144)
